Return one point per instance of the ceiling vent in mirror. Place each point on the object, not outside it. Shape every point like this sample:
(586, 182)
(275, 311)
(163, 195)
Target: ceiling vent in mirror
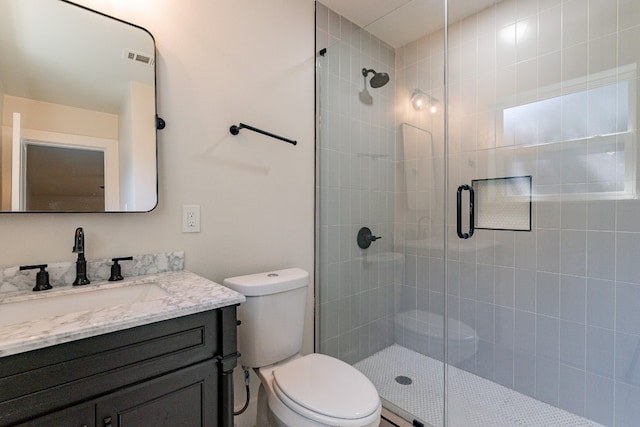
(142, 58)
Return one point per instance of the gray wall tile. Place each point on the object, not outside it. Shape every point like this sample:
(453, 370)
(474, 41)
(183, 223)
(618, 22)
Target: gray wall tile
(600, 215)
(572, 344)
(504, 287)
(627, 214)
(525, 250)
(601, 297)
(525, 290)
(504, 249)
(547, 380)
(599, 399)
(571, 395)
(627, 307)
(503, 366)
(601, 255)
(547, 337)
(573, 252)
(525, 332)
(485, 283)
(524, 373)
(573, 294)
(627, 363)
(573, 215)
(548, 294)
(600, 351)
(626, 405)
(485, 321)
(549, 251)
(627, 250)
(504, 326)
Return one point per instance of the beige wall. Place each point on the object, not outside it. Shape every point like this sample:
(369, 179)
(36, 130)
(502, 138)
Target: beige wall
(137, 125)
(1, 138)
(45, 121)
(219, 62)
(60, 118)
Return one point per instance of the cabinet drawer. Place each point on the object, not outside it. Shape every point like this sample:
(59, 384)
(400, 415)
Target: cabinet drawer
(47, 379)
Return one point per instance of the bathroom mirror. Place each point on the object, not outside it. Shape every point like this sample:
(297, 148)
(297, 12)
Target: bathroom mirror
(77, 110)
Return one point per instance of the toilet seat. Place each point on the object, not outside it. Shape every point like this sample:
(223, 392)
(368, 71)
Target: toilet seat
(326, 390)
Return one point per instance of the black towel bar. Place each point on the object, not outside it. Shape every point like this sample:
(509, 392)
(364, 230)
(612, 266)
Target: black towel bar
(236, 129)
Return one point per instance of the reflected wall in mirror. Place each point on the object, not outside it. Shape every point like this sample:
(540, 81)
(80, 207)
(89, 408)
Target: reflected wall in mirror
(76, 87)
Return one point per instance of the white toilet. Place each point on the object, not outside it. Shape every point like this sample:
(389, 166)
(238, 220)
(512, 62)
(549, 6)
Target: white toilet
(313, 390)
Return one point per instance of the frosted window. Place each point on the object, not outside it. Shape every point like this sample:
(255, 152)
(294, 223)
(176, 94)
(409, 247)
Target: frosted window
(602, 110)
(581, 144)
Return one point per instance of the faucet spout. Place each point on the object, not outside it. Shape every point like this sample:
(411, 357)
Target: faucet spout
(81, 263)
(78, 241)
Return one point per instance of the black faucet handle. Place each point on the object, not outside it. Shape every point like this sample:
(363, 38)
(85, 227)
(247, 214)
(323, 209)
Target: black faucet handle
(42, 277)
(116, 271)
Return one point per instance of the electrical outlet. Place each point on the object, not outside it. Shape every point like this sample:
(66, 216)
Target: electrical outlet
(190, 219)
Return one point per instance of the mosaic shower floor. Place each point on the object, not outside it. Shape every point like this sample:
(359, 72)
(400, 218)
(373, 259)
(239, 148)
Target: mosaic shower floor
(473, 401)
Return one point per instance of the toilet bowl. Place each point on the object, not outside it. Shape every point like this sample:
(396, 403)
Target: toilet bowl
(318, 390)
(301, 391)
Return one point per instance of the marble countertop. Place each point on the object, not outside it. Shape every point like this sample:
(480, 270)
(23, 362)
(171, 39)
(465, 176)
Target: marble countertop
(188, 293)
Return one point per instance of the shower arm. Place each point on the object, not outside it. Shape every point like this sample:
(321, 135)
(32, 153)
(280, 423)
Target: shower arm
(236, 130)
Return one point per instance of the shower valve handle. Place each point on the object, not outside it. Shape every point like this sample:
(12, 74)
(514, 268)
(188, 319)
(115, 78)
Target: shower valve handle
(365, 237)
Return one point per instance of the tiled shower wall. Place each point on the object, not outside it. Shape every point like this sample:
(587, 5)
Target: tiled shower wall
(557, 309)
(356, 154)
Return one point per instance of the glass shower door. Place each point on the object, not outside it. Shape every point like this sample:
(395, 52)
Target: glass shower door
(375, 153)
(355, 188)
(542, 299)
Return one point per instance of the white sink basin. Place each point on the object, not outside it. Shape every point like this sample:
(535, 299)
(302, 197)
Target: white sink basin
(81, 300)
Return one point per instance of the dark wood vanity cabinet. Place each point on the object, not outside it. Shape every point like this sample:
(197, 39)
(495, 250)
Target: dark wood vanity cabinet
(175, 372)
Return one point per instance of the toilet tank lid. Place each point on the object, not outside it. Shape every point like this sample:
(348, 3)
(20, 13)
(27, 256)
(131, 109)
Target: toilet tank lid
(271, 282)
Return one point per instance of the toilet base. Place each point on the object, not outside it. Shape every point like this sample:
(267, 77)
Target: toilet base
(267, 418)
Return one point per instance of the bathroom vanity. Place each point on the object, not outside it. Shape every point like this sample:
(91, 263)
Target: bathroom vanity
(165, 361)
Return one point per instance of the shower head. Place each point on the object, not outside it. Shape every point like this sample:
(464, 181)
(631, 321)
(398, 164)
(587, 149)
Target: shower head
(378, 79)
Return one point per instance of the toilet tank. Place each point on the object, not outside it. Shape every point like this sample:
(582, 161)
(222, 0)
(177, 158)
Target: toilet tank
(272, 318)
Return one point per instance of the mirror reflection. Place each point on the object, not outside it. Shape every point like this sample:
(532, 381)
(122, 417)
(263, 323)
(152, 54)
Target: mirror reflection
(77, 110)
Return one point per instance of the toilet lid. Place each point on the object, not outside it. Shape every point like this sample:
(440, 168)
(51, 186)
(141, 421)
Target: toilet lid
(327, 386)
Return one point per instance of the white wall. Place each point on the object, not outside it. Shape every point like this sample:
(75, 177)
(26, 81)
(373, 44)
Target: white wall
(125, 142)
(61, 124)
(137, 140)
(60, 118)
(219, 62)
(2, 186)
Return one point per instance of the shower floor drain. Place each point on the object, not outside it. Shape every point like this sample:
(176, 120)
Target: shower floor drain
(401, 379)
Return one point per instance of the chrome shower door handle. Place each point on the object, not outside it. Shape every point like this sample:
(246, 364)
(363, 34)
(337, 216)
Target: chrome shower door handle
(471, 211)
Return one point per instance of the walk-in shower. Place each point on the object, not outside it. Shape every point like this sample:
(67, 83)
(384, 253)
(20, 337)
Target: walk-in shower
(532, 105)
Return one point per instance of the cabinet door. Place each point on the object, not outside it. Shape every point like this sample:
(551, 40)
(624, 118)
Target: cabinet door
(77, 416)
(185, 398)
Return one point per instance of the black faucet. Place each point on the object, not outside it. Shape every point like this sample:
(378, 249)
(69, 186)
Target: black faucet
(81, 263)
